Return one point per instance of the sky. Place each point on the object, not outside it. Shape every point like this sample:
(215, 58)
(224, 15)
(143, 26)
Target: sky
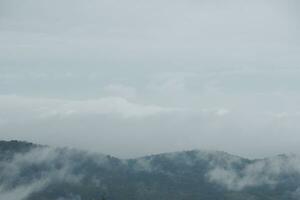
(132, 78)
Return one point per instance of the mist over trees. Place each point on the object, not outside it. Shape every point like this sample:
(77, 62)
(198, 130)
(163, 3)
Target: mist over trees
(35, 172)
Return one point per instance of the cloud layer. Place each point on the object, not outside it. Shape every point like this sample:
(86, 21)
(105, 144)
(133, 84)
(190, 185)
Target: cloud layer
(133, 78)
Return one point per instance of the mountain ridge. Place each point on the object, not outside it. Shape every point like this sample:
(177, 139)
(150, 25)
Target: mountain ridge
(4, 143)
(39, 172)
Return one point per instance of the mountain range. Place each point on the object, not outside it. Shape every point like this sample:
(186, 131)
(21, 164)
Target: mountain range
(36, 172)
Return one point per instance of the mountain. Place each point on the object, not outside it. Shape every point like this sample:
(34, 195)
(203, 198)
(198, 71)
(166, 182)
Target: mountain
(35, 172)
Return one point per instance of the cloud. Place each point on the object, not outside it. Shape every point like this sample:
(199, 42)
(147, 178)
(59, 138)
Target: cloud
(22, 192)
(73, 65)
(222, 112)
(264, 172)
(70, 197)
(216, 111)
(49, 107)
(171, 82)
(51, 165)
(129, 128)
(119, 90)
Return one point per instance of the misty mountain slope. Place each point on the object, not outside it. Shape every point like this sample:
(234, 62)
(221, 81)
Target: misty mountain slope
(34, 172)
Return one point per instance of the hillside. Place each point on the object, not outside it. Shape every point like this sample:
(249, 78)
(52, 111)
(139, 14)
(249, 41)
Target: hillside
(35, 172)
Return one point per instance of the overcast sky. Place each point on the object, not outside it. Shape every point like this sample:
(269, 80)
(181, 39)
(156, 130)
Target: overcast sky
(135, 77)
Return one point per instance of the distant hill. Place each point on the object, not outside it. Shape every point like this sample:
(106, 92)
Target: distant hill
(34, 172)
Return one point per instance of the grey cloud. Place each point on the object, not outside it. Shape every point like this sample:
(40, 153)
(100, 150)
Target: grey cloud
(139, 32)
(192, 73)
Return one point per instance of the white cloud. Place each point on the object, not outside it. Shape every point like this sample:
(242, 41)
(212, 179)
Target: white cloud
(22, 192)
(14, 188)
(222, 112)
(119, 90)
(170, 82)
(49, 107)
(269, 172)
